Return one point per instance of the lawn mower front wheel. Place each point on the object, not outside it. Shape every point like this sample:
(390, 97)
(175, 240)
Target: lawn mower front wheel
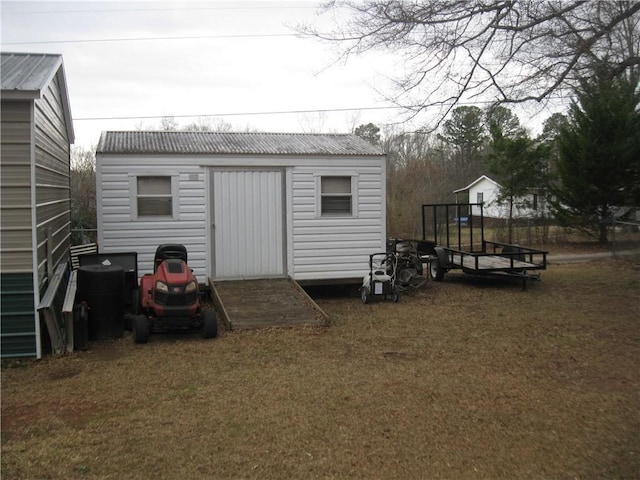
(209, 324)
(140, 329)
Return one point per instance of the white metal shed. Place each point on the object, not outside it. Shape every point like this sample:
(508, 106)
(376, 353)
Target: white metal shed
(246, 205)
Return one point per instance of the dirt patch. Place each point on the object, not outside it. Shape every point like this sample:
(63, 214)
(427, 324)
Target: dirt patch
(15, 418)
(64, 372)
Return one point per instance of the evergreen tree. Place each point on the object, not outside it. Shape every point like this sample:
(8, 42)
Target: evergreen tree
(464, 132)
(508, 122)
(368, 132)
(599, 155)
(518, 163)
(549, 136)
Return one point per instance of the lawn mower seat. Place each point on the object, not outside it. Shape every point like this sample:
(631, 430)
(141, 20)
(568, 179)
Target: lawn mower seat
(168, 251)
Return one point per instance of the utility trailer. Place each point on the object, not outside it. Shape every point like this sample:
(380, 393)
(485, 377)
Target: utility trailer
(461, 245)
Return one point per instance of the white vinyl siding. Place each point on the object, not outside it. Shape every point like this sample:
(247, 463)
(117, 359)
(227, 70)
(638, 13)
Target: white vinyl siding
(485, 191)
(119, 229)
(317, 248)
(338, 247)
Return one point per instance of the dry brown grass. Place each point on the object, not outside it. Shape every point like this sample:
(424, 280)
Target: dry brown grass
(463, 379)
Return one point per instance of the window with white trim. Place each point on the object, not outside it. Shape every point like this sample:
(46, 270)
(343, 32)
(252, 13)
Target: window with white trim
(153, 196)
(336, 197)
(480, 197)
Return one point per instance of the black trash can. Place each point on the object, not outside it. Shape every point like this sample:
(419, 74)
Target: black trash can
(102, 287)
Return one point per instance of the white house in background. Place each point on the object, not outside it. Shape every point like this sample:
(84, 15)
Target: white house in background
(246, 205)
(486, 191)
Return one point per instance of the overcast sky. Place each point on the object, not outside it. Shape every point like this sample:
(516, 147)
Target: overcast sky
(255, 64)
(124, 65)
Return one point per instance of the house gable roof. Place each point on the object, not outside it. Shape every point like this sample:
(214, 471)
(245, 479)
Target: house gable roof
(476, 181)
(214, 143)
(25, 76)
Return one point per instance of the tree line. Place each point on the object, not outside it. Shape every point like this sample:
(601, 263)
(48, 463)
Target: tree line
(585, 163)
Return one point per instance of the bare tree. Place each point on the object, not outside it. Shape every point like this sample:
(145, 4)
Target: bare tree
(502, 51)
(83, 191)
(168, 123)
(312, 123)
(209, 124)
(417, 173)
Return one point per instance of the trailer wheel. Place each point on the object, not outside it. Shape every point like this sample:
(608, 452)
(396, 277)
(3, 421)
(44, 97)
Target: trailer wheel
(209, 324)
(140, 329)
(436, 272)
(364, 294)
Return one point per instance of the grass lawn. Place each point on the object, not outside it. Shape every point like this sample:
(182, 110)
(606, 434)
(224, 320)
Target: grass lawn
(463, 379)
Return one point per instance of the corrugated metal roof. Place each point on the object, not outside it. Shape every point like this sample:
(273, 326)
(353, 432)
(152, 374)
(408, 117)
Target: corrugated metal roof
(24, 76)
(214, 143)
(27, 72)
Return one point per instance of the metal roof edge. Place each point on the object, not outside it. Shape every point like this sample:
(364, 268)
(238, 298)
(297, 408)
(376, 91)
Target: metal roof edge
(57, 69)
(482, 177)
(20, 94)
(102, 147)
(66, 103)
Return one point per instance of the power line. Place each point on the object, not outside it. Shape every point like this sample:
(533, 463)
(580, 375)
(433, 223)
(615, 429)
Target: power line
(144, 39)
(126, 10)
(235, 114)
(247, 114)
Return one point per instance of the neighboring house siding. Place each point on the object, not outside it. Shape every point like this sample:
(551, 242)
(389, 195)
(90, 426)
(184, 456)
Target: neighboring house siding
(15, 188)
(489, 191)
(527, 206)
(53, 203)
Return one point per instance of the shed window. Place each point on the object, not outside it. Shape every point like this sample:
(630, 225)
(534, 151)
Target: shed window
(154, 197)
(336, 196)
(480, 197)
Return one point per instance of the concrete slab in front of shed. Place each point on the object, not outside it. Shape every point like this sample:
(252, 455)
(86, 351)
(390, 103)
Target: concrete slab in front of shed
(277, 302)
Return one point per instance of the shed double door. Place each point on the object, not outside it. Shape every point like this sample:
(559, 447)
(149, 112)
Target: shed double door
(248, 228)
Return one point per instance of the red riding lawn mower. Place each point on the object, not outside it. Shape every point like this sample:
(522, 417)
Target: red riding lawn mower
(169, 298)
